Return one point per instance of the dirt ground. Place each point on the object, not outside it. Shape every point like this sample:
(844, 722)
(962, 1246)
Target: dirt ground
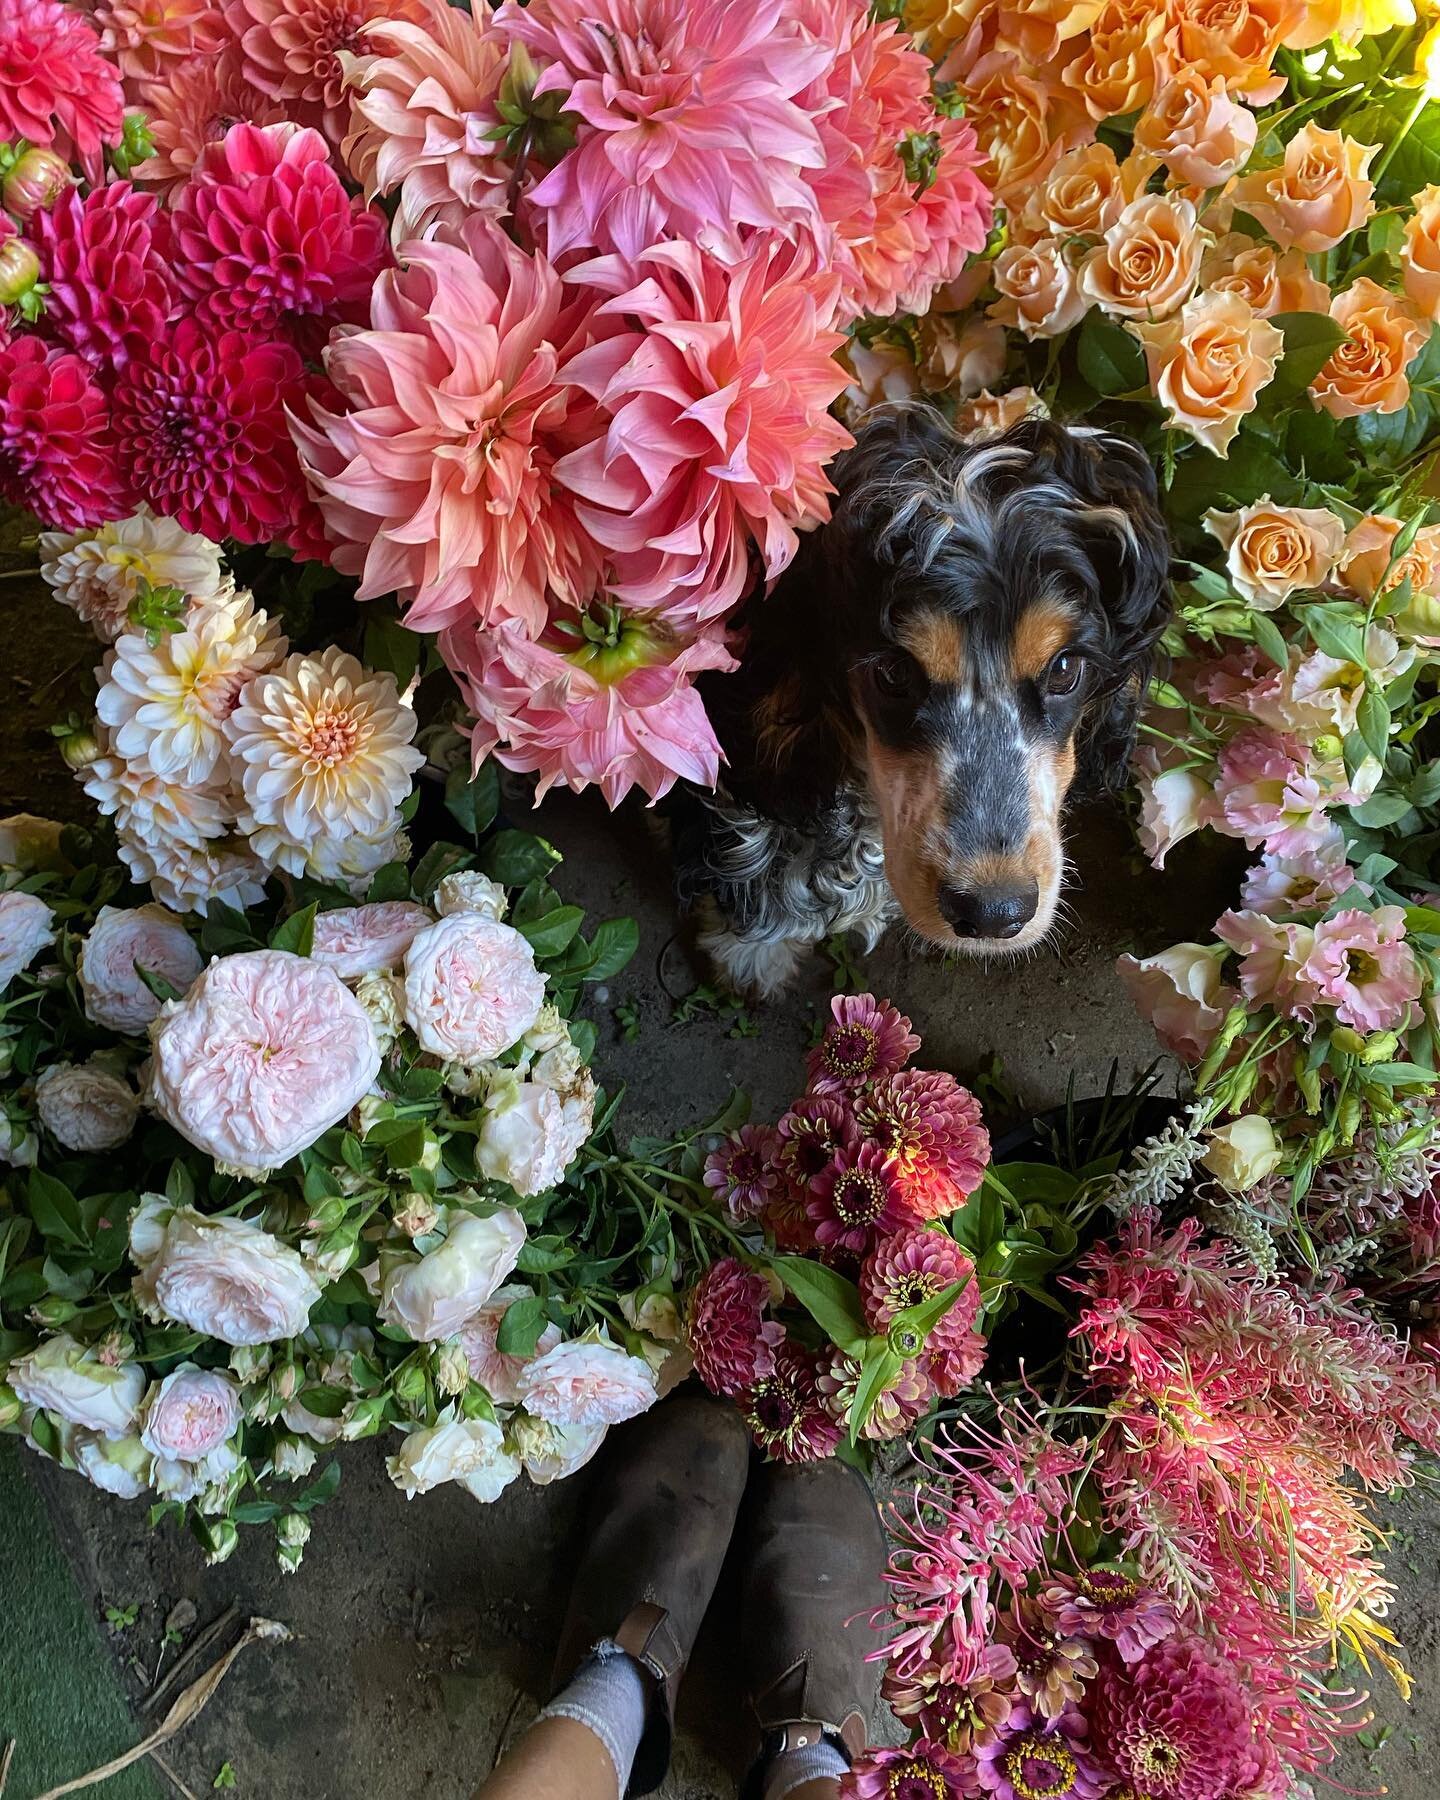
(423, 1628)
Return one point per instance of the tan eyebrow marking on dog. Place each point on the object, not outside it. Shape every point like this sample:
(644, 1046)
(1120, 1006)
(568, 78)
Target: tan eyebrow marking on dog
(1045, 627)
(937, 642)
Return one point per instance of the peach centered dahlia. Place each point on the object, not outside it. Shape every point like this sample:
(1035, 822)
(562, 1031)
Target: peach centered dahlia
(149, 39)
(196, 104)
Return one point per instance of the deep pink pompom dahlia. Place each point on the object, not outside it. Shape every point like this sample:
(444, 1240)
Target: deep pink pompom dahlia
(732, 1341)
(1176, 1725)
(109, 284)
(931, 1127)
(57, 448)
(786, 1411)
(55, 86)
(865, 1038)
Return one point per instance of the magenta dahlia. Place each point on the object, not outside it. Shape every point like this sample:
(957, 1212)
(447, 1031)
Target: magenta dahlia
(267, 240)
(817, 1128)
(865, 1038)
(732, 1341)
(855, 1199)
(742, 1173)
(202, 416)
(1103, 1604)
(58, 455)
(1039, 1759)
(786, 1411)
(55, 86)
(921, 1771)
(109, 285)
(1177, 1724)
(931, 1128)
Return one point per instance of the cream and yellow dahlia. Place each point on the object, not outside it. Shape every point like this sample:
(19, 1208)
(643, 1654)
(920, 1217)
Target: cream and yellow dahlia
(99, 573)
(186, 877)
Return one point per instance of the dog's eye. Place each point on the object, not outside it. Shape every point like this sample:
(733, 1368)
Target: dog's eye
(1063, 675)
(896, 677)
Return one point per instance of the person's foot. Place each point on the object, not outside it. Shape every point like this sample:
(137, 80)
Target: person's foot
(657, 1527)
(815, 1553)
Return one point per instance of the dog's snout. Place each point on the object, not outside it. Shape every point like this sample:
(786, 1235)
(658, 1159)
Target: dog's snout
(989, 912)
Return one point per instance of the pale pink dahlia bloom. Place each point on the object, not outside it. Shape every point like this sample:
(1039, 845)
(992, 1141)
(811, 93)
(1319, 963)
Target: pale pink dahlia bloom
(195, 105)
(732, 1341)
(359, 940)
(471, 988)
(717, 395)
(149, 39)
(1362, 966)
(190, 1413)
(865, 1038)
(575, 718)
(436, 480)
(56, 89)
(97, 573)
(265, 1052)
(296, 51)
(497, 1371)
(587, 1381)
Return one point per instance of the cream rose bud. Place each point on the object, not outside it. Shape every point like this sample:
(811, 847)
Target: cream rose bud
(224, 1277)
(548, 1032)
(121, 1467)
(62, 1377)
(292, 1458)
(122, 941)
(190, 1413)
(383, 997)
(470, 1451)
(19, 1146)
(553, 1452)
(530, 1135)
(656, 1315)
(361, 940)
(469, 891)
(471, 988)
(432, 1296)
(177, 1480)
(1271, 551)
(85, 1107)
(26, 928)
(1243, 1152)
(588, 1381)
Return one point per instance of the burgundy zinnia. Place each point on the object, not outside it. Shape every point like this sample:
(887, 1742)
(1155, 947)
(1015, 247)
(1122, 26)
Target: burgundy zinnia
(732, 1341)
(866, 1037)
(742, 1172)
(109, 287)
(57, 449)
(815, 1129)
(1177, 1725)
(931, 1128)
(855, 1200)
(786, 1412)
(921, 1771)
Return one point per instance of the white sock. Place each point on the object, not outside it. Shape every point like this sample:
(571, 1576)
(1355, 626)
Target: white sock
(609, 1695)
(793, 1768)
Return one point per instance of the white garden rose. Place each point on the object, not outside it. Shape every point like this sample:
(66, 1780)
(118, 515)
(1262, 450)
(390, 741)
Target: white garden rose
(86, 1107)
(432, 1296)
(470, 1451)
(178, 1480)
(530, 1136)
(471, 988)
(226, 1278)
(29, 842)
(26, 928)
(63, 1377)
(121, 1467)
(471, 892)
(553, 1452)
(190, 1413)
(121, 942)
(587, 1381)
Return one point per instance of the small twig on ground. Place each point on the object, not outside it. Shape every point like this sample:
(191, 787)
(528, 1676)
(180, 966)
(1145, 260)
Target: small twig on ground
(5, 1762)
(504, 1731)
(202, 1643)
(170, 1775)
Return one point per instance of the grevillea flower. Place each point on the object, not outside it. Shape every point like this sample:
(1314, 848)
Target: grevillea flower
(930, 1127)
(619, 714)
(717, 394)
(913, 1265)
(1039, 1759)
(1106, 1604)
(267, 240)
(202, 417)
(816, 1128)
(109, 286)
(742, 1173)
(149, 39)
(436, 480)
(865, 1038)
(732, 1341)
(855, 1199)
(195, 105)
(786, 1411)
(904, 1399)
(921, 1771)
(55, 86)
(1176, 1724)
(1362, 966)
(58, 455)
(424, 115)
(97, 574)
(690, 126)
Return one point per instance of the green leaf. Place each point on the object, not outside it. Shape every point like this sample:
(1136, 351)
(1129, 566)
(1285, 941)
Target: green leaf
(1384, 807)
(392, 882)
(326, 1402)
(1423, 919)
(515, 857)
(1373, 721)
(541, 1256)
(473, 800)
(831, 1300)
(1267, 635)
(297, 933)
(440, 860)
(161, 988)
(981, 1220)
(550, 935)
(55, 1209)
(1337, 629)
(614, 943)
(922, 1318)
(388, 645)
(1309, 340)
(1392, 437)
(879, 1365)
(324, 1487)
(1109, 358)
(521, 1325)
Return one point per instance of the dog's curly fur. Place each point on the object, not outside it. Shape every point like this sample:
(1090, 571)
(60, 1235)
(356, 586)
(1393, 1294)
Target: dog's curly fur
(896, 737)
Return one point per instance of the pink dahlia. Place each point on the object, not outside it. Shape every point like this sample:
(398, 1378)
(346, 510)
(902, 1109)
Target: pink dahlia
(148, 40)
(1034, 1756)
(436, 481)
(688, 107)
(742, 1173)
(717, 392)
(58, 453)
(55, 86)
(109, 285)
(913, 1265)
(195, 105)
(1176, 1725)
(1104, 1605)
(424, 118)
(1362, 966)
(921, 1771)
(866, 1037)
(814, 1131)
(786, 1411)
(617, 714)
(732, 1341)
(202, 418)
(855, 1199)
(930, 1127)
(267, 240)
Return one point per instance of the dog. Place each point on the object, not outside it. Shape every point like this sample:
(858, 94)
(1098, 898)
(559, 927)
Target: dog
(972, 631)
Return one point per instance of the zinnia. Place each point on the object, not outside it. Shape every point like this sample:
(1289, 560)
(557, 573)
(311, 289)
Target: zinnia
(919, 1771)
(732, 1341)
(930, 1128)
(1177, 1722)
(786, 1411)
(1104, 1604)
(865, 1038)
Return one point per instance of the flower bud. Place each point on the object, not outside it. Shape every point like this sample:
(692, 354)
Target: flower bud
(79, 747)
(292, 1457)
(1380, 1047)
(430, 1154)
(329, 1213)
(285, 1382)
(331, 1255)
(417, 1215)
(292, 1533)
(52, 1310)
(452, 1371)
(19, 271)
(250, 1362)
(1343, 1038)
(220, 1539)
(115, 1348)
(1347, 1118)
(1308, 1082)
(409, 1383)
(1329, 748)
(364, 1419)
(9, 1407)
(1243, 1152)
(371, 1110)
(36, 179)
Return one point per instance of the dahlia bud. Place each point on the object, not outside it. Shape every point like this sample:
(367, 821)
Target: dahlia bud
(78, 746)
(19, 272)
(9, 1407)
(135, 144)
(534, 124)
(452, 1372)
(36, 179)
(292, 1533)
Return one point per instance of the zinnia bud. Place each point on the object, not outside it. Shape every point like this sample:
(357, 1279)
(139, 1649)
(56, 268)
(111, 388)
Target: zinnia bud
(36, 179)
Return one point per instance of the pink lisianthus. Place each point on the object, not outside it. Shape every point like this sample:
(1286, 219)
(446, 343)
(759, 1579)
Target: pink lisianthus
(1291, 884)
(56, 89)
(742, 1173)
(1273, 961)
(1104, 1604)
(1174, 803)
(109, 288)
(196, 104)
(1181, 993)
(576, 715)
(149, 39)
(435, 476)
(716, 394)
(58, 452)
(1269, 793)
(732, 1341)
(1361, 965)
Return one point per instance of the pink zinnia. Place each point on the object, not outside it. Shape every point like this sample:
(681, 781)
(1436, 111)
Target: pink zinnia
(920, 1771)
(436, 480)
(1267, 794)
(855, 1199)
(742, 1173)
(196, 104)
(1177, 1724)
(905, 1398)
(1362, 966)
(931, 1128)
(1103, 1604)
(786, 1411)
(866, 1037)
(55, 87)
(688, 115)
(202, 418)
(732, 1341)
(58, 455)
(267, 240)
(149, 39)
(576, 717)
(1033, 1756)
(912, 1266)
(717, 390)
(109, 285)
(816, 1128)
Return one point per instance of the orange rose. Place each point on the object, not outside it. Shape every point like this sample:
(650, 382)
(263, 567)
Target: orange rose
(1036, 29)
(1195, 128)
(1038, 290)
(1349, 20)
(883, 372)
(967, 359)
(1149, 262)
(1421, 255)
(1083, 195)
(987, 415)
(1367, 372)
(936, 24)
(1318, 195)
(1270, 550)
(1116, 69)
(1024, 124)
(1208, 365)
(1234, 39)
(1270, 282)
(1367, 552)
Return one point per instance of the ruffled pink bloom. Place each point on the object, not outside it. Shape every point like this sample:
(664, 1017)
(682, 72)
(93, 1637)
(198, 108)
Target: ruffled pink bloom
(1178, 1720)
(56, 88)
(191, 1413)
(742, 1173)
(1032, 1756)
(267, 240)
(195, 105)
(1272, 969)
(149, 39)
(576, 720)
(587, 1381)
(436, 481)
(688, 106)
(109, 285)
(498, 1372)
(717, 392)
(786, 1411)
(919, 1771)
(1181, 993)
(906, 1397)
(855, 1200)
(865, 1038)
(912, 1266)
(1268, 794)
(816, 1127)
(931, 1130)
(1279, 885)
(58, 453)
(471, 988)
(360, 940)
(1361, 965)
(732, 1341)
(1104, 1605)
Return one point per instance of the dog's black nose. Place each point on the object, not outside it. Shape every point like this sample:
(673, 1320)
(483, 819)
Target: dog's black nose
(989, 912)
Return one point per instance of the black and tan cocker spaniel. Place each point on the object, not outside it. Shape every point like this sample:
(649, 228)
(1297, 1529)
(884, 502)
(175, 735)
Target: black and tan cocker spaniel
(967, 639)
